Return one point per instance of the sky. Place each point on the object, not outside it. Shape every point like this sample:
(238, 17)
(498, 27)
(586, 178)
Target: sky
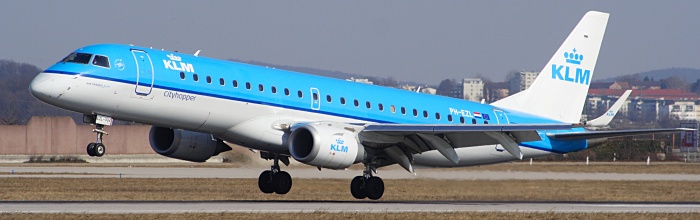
(421, 41)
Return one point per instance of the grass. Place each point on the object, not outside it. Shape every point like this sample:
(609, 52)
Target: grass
(390, 216)
(100, 189)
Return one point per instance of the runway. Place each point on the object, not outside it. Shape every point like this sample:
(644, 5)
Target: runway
(307, 173)
(133, 207)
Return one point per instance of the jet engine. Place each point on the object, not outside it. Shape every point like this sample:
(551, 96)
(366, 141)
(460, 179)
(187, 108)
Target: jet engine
(185, 145)
(324, 145)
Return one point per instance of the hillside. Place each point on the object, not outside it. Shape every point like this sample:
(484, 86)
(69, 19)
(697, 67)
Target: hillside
(687, 74)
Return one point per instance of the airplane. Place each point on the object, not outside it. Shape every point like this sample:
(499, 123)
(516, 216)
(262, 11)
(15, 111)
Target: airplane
(197, 105)
(603, 121)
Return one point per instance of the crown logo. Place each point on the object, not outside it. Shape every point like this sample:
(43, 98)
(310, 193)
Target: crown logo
(339, 141)
(573, 58)
(174, 58)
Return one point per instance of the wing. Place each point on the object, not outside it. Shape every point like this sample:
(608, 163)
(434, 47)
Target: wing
(609, 134)
(399, 141)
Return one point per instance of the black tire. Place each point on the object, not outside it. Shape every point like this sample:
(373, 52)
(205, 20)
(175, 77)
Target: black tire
(265, 183)
(282, 182)
(99, 150)
(91, 149)
(374, 188)
(357, 189)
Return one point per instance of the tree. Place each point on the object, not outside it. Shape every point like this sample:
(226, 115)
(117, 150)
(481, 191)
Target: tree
(673, 82)
(446, 87)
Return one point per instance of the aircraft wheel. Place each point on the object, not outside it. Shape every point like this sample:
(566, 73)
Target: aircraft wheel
(357, 188)
(91, 149)
(282, 182)
(99, 150)
(374, 188)
(265, 183)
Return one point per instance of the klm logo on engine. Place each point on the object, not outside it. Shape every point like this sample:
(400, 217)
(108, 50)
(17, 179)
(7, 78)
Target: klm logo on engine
(572, 71)
(175, 63)
(339, 147)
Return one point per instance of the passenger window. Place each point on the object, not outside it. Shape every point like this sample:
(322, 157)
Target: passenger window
(300, 94)
(286, 91)
(368, 105)
(415, 112)
(100, 60)
(221, 81)
(473, 121)
(403, 110)
(437, 116)
(357, 103)
(461, 120)
(195, 77)
(261, 87)
(247, 85)
(274, 90)
(235, 84)
(342, 100)
(486, 122)
(81, 58)
(425, 114)
(449, 118)
(315, 96)
(392, 108)
(182, 75)
(381, 107)
(328, 98)
(209, 79)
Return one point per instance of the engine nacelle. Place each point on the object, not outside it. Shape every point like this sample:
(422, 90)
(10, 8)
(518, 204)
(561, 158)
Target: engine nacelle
(325, 146)
(185, 145)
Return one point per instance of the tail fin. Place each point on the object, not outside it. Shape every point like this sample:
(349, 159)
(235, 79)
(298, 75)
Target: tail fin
(605, 119)
(559, 92)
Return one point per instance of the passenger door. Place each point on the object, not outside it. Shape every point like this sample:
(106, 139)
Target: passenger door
(144, 72)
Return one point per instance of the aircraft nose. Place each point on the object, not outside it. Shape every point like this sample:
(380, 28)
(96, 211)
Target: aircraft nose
(40, 87)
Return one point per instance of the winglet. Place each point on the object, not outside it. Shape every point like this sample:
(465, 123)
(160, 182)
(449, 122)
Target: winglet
(196, 54)
(605, 119)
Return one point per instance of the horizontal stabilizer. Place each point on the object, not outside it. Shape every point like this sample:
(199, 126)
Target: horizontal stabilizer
(609, 134)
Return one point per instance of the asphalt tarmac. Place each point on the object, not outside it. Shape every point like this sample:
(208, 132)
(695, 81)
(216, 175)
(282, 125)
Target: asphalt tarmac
(310, 173)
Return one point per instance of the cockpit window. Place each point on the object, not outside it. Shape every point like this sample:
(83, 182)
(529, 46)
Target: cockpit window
(82, 58)
(100, 60)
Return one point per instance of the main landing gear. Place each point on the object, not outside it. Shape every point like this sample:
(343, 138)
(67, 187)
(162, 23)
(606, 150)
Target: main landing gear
(367, 186)
(97, 148)
(275, 180)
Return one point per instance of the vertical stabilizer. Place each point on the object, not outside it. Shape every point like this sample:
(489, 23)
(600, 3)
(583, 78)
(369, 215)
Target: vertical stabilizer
(559, 92)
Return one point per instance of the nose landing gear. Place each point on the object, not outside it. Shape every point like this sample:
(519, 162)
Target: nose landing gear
(97, 148)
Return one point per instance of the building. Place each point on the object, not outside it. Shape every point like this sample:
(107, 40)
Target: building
(645, 105)
(365, 81)
(473, 89)
(522, 81)
(496, 91)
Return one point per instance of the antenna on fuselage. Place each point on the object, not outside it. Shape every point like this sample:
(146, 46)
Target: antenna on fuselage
(196, 54)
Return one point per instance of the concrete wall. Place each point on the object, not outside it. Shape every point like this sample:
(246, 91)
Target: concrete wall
(60, 135)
